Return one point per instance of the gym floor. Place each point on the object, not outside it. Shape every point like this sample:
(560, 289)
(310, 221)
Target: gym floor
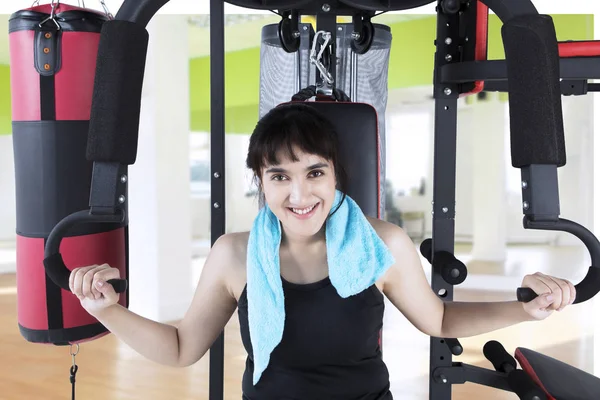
(110, 370)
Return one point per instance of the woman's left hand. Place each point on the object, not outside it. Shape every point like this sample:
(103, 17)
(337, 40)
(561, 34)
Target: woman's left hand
(553, 294)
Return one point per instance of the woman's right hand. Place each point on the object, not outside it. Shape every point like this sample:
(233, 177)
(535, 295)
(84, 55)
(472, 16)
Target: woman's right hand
(90, 286)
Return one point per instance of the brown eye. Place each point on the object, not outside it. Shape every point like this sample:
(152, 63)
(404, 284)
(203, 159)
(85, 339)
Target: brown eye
(316, 174)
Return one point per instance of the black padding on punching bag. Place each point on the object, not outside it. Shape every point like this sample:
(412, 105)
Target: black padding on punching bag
(39, 207)
(116, 102)
(536, 121)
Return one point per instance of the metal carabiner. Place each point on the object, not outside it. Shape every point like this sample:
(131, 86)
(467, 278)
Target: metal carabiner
(315, 58)
(54, 4)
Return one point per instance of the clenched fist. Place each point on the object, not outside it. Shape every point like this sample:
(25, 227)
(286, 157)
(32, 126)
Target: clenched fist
(553, 294)
(90, 285)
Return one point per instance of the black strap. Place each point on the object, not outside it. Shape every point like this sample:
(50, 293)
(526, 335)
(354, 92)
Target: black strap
(311, 91)
(72, 378)
(47, 98)
(47, 60)
(73, 370)
(54, 309)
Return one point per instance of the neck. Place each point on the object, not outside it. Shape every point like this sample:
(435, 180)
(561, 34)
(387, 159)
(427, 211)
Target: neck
(296, 242)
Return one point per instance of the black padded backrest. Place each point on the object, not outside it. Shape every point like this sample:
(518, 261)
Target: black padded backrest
(358, 133)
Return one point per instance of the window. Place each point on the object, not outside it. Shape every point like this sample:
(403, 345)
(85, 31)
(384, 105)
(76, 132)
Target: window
(199, 164)
(408, 137)
(513, 175)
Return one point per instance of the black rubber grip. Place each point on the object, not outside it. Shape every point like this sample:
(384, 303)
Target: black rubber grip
(53, 261)
(586, 289)
(452, 269)
(425, 249)
(525, 294)
(454, 346)
(499, 357)
(55, 268)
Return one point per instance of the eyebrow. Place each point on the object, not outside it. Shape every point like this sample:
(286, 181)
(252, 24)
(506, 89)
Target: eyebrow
(281, 170)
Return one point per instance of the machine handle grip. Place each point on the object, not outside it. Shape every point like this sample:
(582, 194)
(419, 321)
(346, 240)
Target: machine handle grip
(525, 294)
(54, 264)
(586, 289)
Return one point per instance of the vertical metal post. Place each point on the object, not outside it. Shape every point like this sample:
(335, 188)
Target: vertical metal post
(444, 184)
(217, 161)
(354, 77)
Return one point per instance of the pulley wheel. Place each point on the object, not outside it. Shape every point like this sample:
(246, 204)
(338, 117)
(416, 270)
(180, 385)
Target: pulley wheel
(289, 43)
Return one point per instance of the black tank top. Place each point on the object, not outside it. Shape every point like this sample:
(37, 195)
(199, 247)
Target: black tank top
(330, 348)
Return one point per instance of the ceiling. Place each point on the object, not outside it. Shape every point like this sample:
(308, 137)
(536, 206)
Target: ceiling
(242, 31)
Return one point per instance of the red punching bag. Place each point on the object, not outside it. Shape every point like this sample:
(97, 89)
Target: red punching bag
(53, 50)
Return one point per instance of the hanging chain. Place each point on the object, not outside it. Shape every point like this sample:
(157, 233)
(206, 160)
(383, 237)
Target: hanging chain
(81, 3)
(73, 369)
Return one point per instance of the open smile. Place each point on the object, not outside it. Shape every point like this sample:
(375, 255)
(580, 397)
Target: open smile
(304, 213)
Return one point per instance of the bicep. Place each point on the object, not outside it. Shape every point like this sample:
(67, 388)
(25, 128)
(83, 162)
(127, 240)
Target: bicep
(211, 308)
(406, 286)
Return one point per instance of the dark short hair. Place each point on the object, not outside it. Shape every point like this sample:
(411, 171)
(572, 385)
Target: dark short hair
(294, 125)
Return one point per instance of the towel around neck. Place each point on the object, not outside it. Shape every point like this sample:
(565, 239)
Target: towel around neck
(356, 258)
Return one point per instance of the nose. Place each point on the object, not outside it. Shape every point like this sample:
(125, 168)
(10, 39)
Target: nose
(299, 192)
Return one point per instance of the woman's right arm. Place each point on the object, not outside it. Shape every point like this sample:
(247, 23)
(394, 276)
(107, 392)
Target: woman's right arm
(181, 345)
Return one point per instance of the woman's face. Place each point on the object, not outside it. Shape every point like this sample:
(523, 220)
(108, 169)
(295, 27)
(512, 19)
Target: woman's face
(300, 193)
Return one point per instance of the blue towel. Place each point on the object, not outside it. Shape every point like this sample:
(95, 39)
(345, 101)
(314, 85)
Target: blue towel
(356, 258)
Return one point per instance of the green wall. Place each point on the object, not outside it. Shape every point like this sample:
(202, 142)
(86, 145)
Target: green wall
(411, 64)
(5, 108)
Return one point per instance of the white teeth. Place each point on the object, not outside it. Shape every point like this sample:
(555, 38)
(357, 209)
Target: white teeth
(303, 211)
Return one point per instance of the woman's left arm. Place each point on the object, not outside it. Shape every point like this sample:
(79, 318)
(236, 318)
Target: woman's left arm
(406, 286)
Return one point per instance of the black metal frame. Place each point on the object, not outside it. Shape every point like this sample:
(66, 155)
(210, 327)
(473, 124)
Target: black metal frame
(217, 161)
(454, 74)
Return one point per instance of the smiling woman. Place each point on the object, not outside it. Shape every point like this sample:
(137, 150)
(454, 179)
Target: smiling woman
(293, 155)
(308, 280)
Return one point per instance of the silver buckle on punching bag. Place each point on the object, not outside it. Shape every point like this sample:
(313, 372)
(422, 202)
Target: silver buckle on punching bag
(51, 17)
(47, 48)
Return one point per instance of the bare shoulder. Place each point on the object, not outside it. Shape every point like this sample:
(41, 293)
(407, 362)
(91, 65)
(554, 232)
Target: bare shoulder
(400, 244)
(229, 254)
(391, 234)
(232, 246)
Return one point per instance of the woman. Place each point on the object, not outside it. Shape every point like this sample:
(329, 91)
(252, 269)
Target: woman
(330, 345)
